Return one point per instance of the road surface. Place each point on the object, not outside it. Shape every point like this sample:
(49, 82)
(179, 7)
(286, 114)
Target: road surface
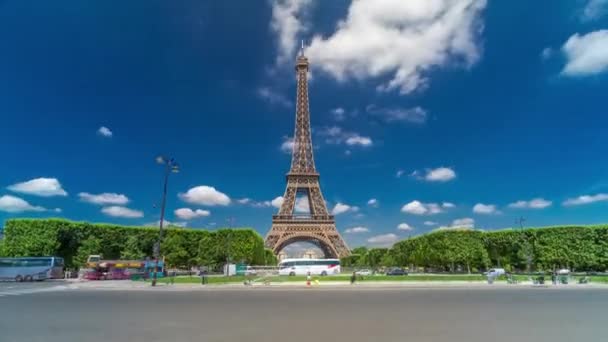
(56, 313)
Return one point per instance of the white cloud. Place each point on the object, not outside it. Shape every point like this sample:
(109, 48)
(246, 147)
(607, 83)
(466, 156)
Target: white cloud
(358, 140)
(586, 54)
(594, 10)
(448, 205)
(536, 203)
(44, 187)
(338, 114)
(462, 223)
(546, 53)
(12, 204)
(205, 195)
(373, 203)
(403, 39)
(399, 173)
(104, 198)
(118, 211)
(104, 131)
(287, 24)
(413, 115)
(405, 227)
(277, 202)
(189, 214)
(486, 209)
(244, 200)
(341, 208)
(585, 199)
(440, 174)
(383, 240)
(418, 208)
(166, 224)
(430, 223)
(287, 145)
(302, 205)
(356, 230)
(273, 97)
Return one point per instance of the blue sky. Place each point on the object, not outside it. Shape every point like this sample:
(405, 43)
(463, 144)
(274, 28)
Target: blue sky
(447, 113)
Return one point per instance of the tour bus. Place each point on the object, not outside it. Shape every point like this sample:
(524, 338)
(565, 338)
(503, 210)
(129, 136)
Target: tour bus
(304, 266)
(30, 269)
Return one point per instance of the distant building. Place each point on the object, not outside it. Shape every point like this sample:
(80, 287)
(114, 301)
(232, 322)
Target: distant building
(282, 255)
(311, 254)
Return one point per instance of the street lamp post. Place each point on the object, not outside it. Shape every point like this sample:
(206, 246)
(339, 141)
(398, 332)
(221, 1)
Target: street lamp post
(229, 242)
(170, 166)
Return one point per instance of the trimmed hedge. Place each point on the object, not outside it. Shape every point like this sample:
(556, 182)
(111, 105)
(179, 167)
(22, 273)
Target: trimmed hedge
(181, 247)
(582, 248)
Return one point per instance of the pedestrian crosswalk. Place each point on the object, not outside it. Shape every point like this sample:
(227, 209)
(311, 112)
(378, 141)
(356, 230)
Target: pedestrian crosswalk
(19, 290)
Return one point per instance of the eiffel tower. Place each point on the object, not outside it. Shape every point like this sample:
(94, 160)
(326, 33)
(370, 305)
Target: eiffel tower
(318, 227)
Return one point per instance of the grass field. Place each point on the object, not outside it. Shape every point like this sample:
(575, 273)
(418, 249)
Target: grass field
(346, 278)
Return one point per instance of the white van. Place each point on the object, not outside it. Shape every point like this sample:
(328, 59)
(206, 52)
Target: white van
(495, 272)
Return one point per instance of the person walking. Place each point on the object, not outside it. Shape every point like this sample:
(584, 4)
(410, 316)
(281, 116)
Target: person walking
(353, 278)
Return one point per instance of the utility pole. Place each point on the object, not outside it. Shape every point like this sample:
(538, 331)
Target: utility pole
(230, 221)
(170, 166)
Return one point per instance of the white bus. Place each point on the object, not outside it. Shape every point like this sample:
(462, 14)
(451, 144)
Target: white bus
(314, 266)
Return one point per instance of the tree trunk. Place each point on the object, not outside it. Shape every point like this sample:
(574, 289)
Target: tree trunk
(469, 267)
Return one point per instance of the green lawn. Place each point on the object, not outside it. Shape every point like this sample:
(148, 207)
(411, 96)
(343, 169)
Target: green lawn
(343, 278)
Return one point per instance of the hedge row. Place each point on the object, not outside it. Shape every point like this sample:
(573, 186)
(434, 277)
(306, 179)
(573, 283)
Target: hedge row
(182, 247)
(583, 248)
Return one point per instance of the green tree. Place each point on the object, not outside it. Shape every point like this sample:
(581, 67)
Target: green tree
(131, 249)
(89, 246)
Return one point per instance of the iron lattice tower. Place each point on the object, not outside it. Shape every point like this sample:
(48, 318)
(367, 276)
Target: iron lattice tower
(318, 227)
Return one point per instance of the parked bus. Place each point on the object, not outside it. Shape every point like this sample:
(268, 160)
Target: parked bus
(314, 266)
(30, 269)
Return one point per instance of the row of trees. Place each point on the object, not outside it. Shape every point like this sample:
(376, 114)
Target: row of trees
(583, 248)
(75, 241)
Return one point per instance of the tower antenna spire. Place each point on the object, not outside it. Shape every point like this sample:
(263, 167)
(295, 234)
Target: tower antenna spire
(302, 49)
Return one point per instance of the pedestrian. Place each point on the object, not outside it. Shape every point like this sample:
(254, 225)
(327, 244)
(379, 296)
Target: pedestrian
(353, 278)
(308, 278)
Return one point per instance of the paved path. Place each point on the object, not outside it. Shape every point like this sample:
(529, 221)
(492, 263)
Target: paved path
(350, 314)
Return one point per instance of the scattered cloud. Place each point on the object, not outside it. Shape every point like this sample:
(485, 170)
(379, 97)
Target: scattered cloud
(348, 152)
(383, 240)
(461, 223)
(356, 230)
(430, 223)
(413, 115)
(273, 97)
(585, 199)
(287, 145)
(338, 113)
(402, 39)
(594, 9)
(341, 208)
(244, 200)
(189, 214)
(335, 135)
(104, 132)
(104, 198)
(485, 209)
(119, 211)
(44, 187)
(418, 208)
(287, 24)
(358, 140)
(12, 204)
(277, 202)
(166, 224)
(399, 173)
(205, 195)
(373, 203)
(546, 53)
(405, 227)
(536, 203)
(586, 54)
(440, 174)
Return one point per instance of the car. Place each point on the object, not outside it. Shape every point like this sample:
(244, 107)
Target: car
(495, 272)
(250, 271)
(396, 272)
(563, 271)
(364, 272)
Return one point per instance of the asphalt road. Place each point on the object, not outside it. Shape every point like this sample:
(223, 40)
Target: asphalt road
(317, 314)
